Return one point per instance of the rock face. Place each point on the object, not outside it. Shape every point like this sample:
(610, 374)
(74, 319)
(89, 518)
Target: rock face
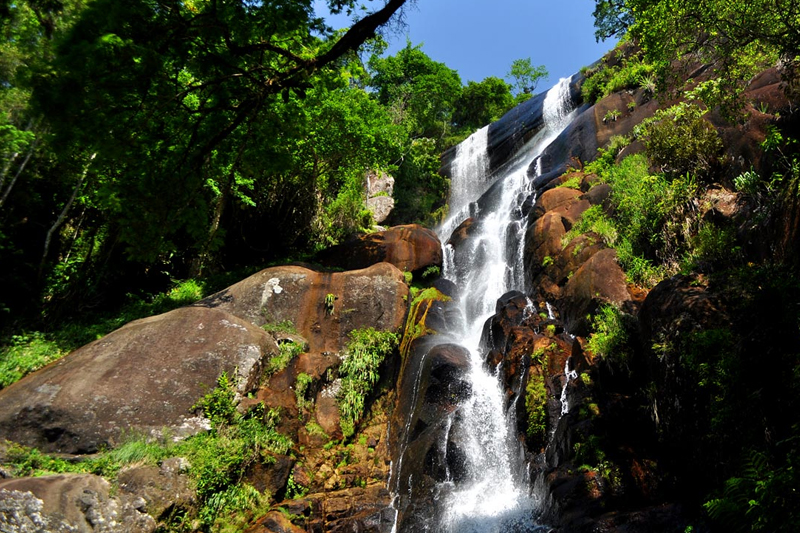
(434, 376)
(380, 187)
(411, 248)
(143, 378)
(598, 281)
(69, 504)
(324, 307)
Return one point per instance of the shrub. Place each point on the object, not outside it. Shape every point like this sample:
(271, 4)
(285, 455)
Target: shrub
(592, 220)
(286, 352)
(679, 141)
(536, 405)
(610, 337)
(285, 326)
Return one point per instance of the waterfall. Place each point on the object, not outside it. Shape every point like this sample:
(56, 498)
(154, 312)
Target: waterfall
(490, 489)
(495, 495)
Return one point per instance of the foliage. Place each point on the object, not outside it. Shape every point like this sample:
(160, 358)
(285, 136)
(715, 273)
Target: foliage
(708, 32)
(607, 78)
(764, 498)
(651, 221)
(592, 220)
(481, 103)
(432, 271)
(149, 140)
(363, 356)
(29, 351)
(219, 405)
(415, 326)
(24, 354)
(301, 388)
(536, 406)
(712, 247)
(286, 352)
(525, 76)
(610, 337)
(284, 326)
(611, 17)
(679, 141)
(420, 92)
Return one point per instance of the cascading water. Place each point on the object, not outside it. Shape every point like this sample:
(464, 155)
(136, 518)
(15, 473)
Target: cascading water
(494, 493)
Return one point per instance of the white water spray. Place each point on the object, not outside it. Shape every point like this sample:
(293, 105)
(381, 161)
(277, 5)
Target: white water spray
(495, 497)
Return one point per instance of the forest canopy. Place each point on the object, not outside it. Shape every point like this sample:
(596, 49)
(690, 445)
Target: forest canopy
(152, 140)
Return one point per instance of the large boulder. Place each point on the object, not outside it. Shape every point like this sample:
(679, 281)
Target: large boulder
(411, 248)
(323, 306)
(143, 378)
(600, 280)
(433, 384)
(76, 503)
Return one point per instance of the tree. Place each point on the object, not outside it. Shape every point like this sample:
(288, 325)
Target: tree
(738, 38)
(420, 91)
(145, 135)
(611, 18)
(172, 95)
(481, 103)
(525, 77)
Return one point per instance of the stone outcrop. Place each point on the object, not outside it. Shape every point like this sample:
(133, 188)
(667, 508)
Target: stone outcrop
(411, 248)
(75, 503)
(380, 187)
(142, 378)
(324, 307)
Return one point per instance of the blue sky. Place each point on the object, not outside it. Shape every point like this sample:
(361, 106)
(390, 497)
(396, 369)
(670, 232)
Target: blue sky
(481, 38)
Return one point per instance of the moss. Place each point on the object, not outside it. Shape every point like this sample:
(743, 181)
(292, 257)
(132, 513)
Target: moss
(417, 314)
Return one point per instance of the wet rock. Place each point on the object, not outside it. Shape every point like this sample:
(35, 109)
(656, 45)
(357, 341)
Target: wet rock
(75, 503)
(145, 377)
(411, 248)
(512, 310)
(371, 297)
(433, 383)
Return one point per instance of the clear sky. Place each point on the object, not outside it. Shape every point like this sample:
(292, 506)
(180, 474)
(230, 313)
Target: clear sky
(481, 38)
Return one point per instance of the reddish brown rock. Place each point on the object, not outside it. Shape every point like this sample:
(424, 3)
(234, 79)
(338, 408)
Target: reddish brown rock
(275, 522)
(571, 211)
(371, 297)
(543, 240)
(411, 248)
(327, 411)
(270, 477)
(598, 281)
(366, 509)
(464, 230)
(553, 198)
(144, 377)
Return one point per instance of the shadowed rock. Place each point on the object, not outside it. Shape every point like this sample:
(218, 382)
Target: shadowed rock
(598, 281)
(411, 248)
(142, 378)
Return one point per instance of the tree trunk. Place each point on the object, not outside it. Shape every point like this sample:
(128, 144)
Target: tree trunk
(18, 173)
(63, 215)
